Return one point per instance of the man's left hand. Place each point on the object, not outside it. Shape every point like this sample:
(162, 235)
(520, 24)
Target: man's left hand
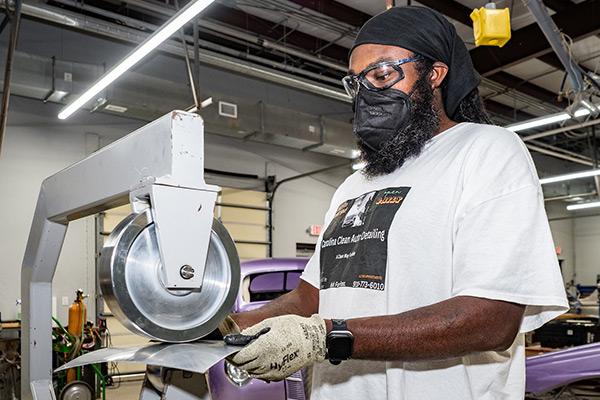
(292, 343)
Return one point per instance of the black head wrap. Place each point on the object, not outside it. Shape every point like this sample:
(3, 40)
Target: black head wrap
(428, 33)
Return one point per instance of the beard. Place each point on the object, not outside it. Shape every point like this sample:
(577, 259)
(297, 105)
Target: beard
(423, 124)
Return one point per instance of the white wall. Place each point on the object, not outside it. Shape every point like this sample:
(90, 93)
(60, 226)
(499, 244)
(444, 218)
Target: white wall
(33, 151)
(586, 233)
(578, 234)
(297, 204)
(562, 233)
(28, 156)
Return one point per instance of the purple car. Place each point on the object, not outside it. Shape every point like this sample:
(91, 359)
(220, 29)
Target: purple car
(261, 281)
(556, 370)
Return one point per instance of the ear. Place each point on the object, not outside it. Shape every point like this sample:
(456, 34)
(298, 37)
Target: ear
(439, 72)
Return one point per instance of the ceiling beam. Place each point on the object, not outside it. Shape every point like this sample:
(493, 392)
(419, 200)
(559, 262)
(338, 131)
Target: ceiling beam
(553, 60)
(336, 10)
(558, 5)
(460, 13)
(578, 21)
(506, 111)
(452, 9)
(449, 8)
(269, 29)
(526, 87)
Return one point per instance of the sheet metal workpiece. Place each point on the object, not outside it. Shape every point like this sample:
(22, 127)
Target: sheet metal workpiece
(193, 357)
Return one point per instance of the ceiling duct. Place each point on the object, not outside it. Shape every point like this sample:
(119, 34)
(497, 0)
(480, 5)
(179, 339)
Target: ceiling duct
(215, 55)
(146, 97)
(167, 11)
(99, 27)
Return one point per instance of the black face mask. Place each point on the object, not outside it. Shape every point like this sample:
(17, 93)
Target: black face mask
(379, 116)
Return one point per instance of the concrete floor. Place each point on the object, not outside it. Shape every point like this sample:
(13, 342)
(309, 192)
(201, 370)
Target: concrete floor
(125, 391)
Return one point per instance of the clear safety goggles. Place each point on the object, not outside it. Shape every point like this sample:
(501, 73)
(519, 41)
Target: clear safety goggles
(378, 77)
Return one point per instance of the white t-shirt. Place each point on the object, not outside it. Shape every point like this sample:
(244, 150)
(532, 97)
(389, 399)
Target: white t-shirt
(464, 218)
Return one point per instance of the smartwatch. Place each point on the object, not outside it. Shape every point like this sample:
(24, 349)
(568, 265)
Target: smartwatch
(339, 342)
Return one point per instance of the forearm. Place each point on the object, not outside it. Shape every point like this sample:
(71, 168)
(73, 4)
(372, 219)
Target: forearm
(303, 301)
(451, 328)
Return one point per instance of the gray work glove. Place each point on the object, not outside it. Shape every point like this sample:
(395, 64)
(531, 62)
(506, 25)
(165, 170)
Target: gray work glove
(292, 343)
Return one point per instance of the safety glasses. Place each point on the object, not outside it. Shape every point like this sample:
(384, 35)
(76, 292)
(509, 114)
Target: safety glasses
(378, 77)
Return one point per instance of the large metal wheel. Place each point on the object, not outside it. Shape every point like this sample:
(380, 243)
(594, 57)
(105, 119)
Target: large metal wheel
(130, 275)
(77, 390)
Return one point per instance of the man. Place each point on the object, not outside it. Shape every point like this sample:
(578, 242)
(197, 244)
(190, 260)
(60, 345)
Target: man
(453, 260)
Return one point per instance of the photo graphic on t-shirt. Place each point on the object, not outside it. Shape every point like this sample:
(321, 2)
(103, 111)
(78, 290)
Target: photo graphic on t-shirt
(354, 245)
(354, 217)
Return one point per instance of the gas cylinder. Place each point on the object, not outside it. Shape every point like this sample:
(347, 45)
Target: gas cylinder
(77, 315)
(77, 318)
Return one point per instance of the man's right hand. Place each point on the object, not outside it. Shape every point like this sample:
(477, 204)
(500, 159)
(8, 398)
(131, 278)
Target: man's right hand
(302, 301)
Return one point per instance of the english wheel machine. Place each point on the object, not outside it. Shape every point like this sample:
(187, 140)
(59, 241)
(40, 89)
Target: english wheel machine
(169, 271)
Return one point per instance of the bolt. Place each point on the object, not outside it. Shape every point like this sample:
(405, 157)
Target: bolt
(186, 272)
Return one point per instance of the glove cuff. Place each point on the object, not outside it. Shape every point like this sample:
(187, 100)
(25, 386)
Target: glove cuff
(320, 337)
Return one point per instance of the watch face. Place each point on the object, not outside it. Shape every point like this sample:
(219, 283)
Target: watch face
(339, 345)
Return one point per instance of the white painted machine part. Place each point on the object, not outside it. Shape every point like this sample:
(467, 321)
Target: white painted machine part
(183, 218)
(167, 152)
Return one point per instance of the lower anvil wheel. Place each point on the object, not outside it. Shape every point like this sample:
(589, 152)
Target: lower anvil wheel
(130, 275)
(77, 390)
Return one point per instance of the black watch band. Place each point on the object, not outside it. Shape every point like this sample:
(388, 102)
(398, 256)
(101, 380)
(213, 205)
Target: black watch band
(338, 325)
(339, 342)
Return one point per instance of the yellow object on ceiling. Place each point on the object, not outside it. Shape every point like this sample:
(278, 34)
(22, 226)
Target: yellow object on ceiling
(491, 26)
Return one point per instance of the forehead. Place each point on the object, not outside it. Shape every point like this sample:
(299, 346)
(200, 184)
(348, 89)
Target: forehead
(366, 54)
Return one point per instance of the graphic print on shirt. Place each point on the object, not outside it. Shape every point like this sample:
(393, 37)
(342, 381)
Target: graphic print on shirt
(354, 245)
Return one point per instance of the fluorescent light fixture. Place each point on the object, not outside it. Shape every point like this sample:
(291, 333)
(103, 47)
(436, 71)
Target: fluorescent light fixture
(582, 112)
(359, 165)
(591, 107)
(207, 102)
(115, 108)
(547, 120)
(534, 123)
(570, 177)
(340, 152)
(171, 26)
(582, 206)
